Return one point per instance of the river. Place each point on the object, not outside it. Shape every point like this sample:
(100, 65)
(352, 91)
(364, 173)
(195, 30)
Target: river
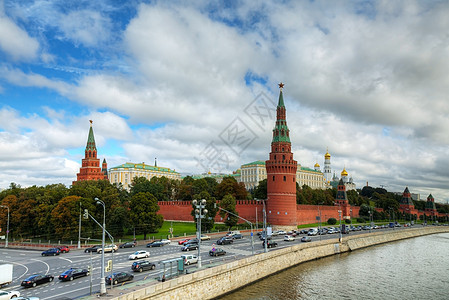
(416, 268)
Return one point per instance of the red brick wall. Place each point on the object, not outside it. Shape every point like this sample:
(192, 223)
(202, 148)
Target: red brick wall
(180, 211)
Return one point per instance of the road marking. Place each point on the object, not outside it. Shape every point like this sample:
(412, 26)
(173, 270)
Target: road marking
(66, 259)
(48, 267)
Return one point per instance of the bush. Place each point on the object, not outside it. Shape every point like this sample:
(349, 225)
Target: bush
(348, 221)
(332, 221)
(361, 220)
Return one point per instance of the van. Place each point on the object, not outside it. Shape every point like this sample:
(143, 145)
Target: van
(189, 259)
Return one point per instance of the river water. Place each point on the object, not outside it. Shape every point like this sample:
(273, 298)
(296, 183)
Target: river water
(416, 268)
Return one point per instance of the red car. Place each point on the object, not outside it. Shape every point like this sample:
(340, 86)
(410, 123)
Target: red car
(64, 249)
(181, 242)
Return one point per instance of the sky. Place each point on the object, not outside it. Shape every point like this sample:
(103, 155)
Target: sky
(194, 84)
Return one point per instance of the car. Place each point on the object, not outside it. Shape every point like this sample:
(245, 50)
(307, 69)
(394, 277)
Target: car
(139, 254)
(181, 242)
(6, 295)
(192, 241)
(237, 236)
(26, 298)
(262, 237)
(128, 245)
(143, 265)
(281, 232)
(205, 237)
(108, 248)
(313, 231)
(225, 241)
(155, 244)
(119, 277)
(64, 249)
(92, 249)
(51, 252)
(303, 231)
(189, 247)
(217, 252)
(289, 238)
(73, 273)
(36, 279)
(189, 259)
(165, 241)
(270, 244)
(306, 239)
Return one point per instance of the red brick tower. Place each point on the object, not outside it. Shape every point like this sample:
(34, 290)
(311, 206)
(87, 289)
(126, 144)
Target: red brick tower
(341, 199)
(281, 173)
(431, 209)
(90, 165)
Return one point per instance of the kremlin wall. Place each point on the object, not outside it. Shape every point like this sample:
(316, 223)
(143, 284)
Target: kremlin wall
(282, 174)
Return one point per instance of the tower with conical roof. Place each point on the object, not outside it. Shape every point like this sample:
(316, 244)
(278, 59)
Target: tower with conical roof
(406, 202)
(430, 206)
(281, 173)
(327, 166)
(90, 164)
(341, 199)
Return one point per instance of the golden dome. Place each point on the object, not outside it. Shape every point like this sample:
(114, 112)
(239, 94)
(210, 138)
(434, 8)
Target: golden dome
(344, 173)
(327, 155)
(317, 165)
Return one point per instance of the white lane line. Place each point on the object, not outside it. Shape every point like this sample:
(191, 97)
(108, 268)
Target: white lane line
(66, 259)
(48, 267)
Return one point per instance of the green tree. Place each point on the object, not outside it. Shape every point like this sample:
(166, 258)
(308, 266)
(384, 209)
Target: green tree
(207, 223)
(230, 186)
(260, 192)
(65, 217)
(229, 204)
(143, 213)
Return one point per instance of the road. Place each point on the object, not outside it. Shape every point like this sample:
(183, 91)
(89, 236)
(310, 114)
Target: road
(27, 262)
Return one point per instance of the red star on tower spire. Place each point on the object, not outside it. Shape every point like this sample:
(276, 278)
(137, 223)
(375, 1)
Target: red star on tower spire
(281, 85)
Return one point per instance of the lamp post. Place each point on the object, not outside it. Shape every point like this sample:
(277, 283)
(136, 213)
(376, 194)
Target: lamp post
(7, 226)
(264, 225)
(339, 215)
(369, 212)
(102, 278)
(79, 230)
(200, 211)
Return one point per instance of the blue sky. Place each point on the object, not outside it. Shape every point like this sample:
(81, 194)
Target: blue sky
(175, 80)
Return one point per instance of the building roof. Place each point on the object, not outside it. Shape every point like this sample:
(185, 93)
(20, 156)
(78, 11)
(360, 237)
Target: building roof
(142, 167)
(257, 162)
(91, 140)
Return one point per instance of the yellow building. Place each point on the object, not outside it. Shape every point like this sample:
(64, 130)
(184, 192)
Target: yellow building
(125, 173)
(252, 173)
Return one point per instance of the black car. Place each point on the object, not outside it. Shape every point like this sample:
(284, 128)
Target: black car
(142, 265)
(192, 241)
(92, 249)
(225, 240)
(36, 279)
(217, 252)
(270, 244)
(128, 245)
(119, 277)
(72, 273)
(155, 244)
(51, 252)
(188, 247)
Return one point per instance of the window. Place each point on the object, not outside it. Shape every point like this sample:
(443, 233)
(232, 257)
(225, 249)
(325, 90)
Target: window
(273, 177)
(285, 178)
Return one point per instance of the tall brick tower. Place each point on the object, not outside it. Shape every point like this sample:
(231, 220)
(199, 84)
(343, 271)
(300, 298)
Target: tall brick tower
(281, 173)
(90, 165)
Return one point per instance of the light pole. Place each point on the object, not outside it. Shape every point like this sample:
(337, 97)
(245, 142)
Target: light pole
(369, 212)
(264, 225)
(7, 226)
(350, 214)
(250, 224)
(79, 230)
(102, 278)
(200, 211)
(339, 215)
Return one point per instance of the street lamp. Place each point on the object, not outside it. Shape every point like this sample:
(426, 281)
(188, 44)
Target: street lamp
(102, 278)
(7, 226)
(200, 212)
(264, 225)
(339, 214)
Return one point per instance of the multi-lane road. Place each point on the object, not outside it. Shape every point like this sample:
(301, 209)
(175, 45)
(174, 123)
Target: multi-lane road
(28, 262)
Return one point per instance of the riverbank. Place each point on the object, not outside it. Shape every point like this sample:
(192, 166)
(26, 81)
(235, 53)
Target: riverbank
(219, 280)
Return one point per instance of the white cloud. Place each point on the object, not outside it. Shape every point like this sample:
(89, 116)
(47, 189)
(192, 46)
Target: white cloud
(15, 41)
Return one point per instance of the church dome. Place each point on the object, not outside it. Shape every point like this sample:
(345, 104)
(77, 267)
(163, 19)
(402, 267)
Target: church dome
(344, 173)
(327, 155)
(317, 165)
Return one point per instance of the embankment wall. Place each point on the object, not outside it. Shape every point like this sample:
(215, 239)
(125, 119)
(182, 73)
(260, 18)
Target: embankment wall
(215, 281)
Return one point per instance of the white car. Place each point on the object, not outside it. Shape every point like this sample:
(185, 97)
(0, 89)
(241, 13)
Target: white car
(139, 254)
(26, 298)
(109, 248)
(165, 242)
(4, 295)
(289, 238)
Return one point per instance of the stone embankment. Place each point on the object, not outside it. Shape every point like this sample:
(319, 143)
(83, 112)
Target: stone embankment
(216, 281)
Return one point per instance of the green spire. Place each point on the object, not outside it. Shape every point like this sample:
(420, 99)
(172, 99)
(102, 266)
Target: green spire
(91, 140)
(281, 132)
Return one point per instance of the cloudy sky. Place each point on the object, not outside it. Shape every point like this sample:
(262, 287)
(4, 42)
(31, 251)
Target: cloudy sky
(195, 86)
